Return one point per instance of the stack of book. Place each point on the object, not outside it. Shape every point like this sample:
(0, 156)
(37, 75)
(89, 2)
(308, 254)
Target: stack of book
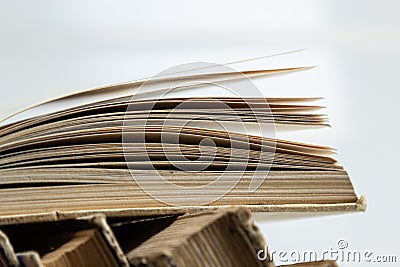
(163, 170)
(227, 237)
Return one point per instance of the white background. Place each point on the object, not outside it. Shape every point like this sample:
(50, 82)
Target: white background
(51, 48)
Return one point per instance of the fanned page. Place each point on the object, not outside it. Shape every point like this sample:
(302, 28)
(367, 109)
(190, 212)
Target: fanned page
(156, 85)
(125, 151)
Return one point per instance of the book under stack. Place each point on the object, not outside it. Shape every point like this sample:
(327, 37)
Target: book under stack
(227, 237)
(104, 178)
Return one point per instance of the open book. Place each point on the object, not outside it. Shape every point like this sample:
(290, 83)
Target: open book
(130, 150)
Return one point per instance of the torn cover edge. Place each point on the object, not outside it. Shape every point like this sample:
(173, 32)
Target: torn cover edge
(284, 209)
